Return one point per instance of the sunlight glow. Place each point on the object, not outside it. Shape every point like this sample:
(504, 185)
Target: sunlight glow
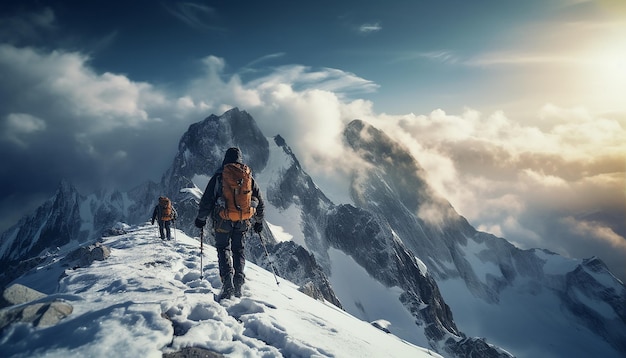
(605, 69)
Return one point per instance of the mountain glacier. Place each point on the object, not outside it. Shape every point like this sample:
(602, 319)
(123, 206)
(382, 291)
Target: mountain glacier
(398, 253)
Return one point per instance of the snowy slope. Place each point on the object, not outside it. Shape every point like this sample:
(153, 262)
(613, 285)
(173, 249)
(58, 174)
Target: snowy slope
(530, 302)
(286, 223)
(533, 303)
(148, 298)
(538, 309)
(363, 295)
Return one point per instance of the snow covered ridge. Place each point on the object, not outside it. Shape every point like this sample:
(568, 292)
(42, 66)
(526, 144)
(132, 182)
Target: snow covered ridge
(147, 299)
(432, 280)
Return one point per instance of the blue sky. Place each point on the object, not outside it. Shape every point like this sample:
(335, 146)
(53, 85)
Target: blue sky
(514, 108)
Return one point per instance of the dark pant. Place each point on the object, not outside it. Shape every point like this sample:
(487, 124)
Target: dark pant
(229, 242)
(164, 229)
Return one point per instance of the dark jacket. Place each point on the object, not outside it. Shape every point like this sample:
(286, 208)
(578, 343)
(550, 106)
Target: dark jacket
(209, 198)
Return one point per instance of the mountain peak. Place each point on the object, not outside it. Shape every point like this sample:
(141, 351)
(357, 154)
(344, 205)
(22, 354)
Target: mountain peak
(399, 246)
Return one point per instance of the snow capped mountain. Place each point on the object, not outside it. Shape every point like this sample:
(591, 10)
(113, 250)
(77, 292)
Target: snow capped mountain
(147, 299)
(486, 279)
(401, 256)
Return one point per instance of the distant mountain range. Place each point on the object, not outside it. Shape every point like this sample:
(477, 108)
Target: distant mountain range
(399, 252)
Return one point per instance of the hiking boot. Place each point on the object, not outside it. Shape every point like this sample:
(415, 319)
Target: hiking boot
(238, 281)
(237, 291)
(227, 292)
(227, 287)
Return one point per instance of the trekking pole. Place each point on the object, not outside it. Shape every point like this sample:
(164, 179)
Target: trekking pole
(201, 240)
(268, 259)
(174, 230)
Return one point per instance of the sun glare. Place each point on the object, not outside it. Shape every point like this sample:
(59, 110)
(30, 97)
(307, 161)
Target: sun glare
(605, 67)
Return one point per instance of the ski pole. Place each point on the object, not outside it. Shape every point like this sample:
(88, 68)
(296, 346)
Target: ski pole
(201, 240)
(268, 259)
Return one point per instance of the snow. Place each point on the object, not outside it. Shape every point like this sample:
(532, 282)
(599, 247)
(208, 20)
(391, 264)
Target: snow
(536, 315)
(279, 233)
(200, 181)
(195, 191)
(422, 266)
(370, 300)
(601, 307)
(481, 268)
(276, 166)
(285, 223)
(556, 264)
(147, 299)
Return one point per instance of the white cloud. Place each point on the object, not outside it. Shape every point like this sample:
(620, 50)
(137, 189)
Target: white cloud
(61, 84)
(516, 178)
(195, 15)
(510, 176)
(370, 27)
(17, 126)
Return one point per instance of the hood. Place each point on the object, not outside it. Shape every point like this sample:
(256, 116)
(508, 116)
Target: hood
(233, 155)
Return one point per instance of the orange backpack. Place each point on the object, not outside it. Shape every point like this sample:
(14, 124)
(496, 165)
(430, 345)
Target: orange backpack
(237, 192)
(166, 208)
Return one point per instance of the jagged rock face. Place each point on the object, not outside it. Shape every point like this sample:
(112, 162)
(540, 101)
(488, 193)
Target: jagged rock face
(476, 347)
(373, 245)
(394, 187)
(293, 186)
(55, 223)
(200, 153)
(143, 199)
(394, 190)
(294, 263)
(590, 277)
(201, 149)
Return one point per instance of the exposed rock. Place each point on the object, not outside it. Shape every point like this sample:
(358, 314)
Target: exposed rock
(193, 352)
(85, 255)
(40, 314)
(475, 348)
(17, 294)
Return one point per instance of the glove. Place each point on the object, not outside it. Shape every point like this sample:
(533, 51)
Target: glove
(258, 227)
(200, 223)
(152, 222)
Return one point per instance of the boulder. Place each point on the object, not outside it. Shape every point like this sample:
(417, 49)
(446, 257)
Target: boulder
(17, 294)
(40, 314)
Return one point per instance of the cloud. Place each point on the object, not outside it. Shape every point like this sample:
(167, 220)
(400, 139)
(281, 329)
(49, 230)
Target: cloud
(195, 15)
(521, 179)
(16, 127)
(62, 118)
(370, 28)
(516, 179)
(252, 66)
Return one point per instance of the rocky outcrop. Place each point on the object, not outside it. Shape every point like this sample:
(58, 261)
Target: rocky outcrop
(85, 255)
(30, 306)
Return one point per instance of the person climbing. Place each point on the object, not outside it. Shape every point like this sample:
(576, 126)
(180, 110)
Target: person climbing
(233, 201)
(164, 213)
